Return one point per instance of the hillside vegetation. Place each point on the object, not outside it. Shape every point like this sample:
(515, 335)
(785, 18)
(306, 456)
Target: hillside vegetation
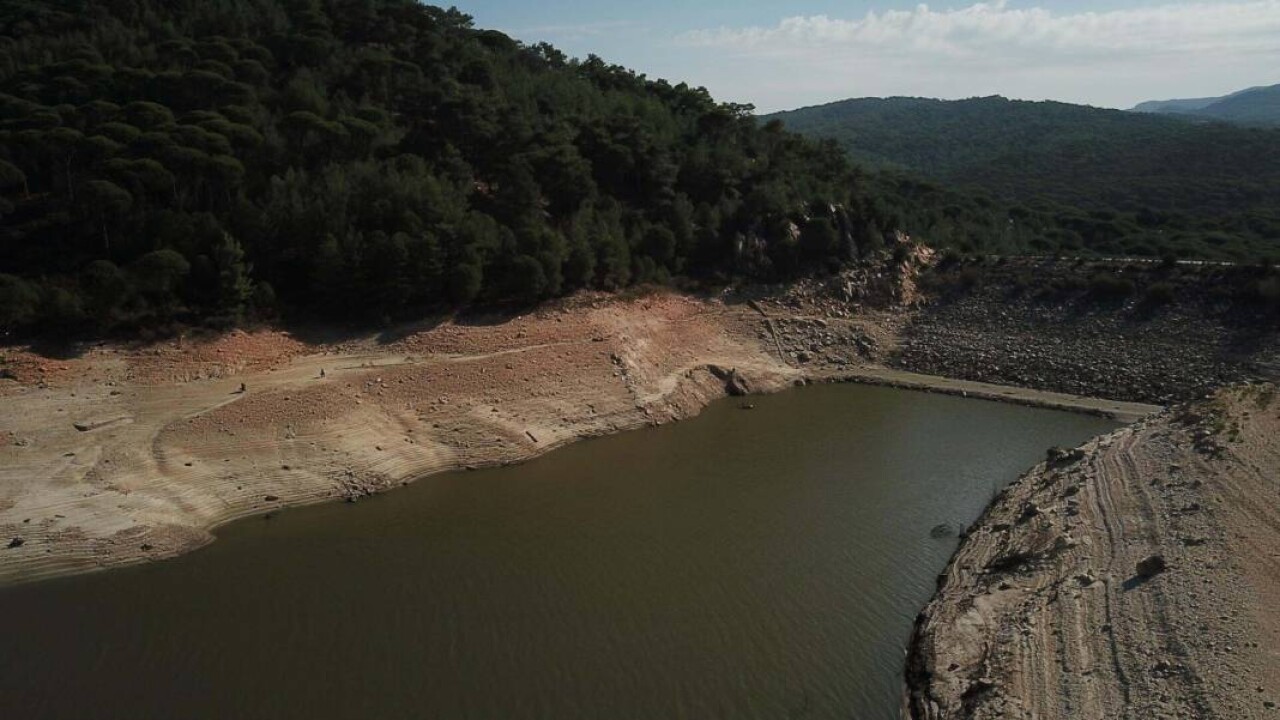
(203, 161)
(1258, 106)
(1100, 180)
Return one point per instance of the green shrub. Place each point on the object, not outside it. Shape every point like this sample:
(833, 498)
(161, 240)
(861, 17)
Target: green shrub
(1268, 290)
(1107, 286)
(1161, 293)
(970, 277)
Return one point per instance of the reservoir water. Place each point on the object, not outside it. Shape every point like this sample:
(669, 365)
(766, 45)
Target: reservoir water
(763, 564)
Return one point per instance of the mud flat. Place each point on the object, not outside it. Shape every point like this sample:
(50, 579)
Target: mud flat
(1138, 576)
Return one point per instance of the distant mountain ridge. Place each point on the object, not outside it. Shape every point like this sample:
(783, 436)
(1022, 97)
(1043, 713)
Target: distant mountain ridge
(1253, 106)
(1187, 105)
(1169, 179)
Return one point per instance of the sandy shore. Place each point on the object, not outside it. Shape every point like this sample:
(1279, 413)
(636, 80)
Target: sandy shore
(1054, 608)
(130, 454)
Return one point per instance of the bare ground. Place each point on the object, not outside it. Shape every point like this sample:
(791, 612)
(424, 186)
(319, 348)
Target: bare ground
(1046, 613)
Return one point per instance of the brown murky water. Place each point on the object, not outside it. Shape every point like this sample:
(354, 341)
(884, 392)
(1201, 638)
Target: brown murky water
(762, 564)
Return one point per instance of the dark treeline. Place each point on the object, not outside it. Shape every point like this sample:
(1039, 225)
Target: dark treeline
(1074, 179)
(208, 160)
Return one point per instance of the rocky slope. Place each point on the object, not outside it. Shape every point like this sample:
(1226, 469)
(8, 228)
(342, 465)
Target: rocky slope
(1136, 577)
(1128, 331)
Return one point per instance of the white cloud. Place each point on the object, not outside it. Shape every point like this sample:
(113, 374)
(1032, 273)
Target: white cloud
(1110, 57)
(580, 31)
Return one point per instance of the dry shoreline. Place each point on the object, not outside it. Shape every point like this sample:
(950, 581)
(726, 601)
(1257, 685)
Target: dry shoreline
(1053, 606)
(1125, 412)
(125, 456)
(131, 455)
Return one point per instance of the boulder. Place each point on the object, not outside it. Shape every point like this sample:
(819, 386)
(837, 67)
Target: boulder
(1151, 566)
(1062, 456)
(734, 383)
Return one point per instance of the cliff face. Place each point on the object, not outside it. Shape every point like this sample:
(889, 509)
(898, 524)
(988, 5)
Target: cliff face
(1138, 576)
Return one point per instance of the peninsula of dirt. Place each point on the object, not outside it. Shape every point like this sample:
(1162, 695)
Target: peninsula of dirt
(1138, 576)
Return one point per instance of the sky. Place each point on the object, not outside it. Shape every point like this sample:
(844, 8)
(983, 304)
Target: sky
(781, 54)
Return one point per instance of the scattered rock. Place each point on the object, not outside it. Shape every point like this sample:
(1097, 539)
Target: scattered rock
(16, 543)
(1062, 456)
(734, 384)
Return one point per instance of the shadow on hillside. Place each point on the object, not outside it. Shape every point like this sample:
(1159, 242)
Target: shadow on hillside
(317, 334)
(58, 348)
(1137, 581)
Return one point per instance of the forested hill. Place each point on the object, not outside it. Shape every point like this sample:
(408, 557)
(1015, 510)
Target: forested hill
(203, 159)
(1259, 106)
(1256, 106)
(1175, 184)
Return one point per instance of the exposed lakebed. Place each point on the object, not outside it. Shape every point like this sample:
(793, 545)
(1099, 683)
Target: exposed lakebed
(757, 564)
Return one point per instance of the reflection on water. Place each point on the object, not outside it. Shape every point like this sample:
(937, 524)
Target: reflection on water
(762, 564)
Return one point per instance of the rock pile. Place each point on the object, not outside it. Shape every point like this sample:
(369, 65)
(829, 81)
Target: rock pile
(1001, 332)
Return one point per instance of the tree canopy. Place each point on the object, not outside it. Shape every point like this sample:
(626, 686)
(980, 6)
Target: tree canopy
(369, 159)
(205, 161)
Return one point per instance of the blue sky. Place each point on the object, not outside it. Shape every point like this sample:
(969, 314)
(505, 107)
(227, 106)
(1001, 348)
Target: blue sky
(779, 55)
